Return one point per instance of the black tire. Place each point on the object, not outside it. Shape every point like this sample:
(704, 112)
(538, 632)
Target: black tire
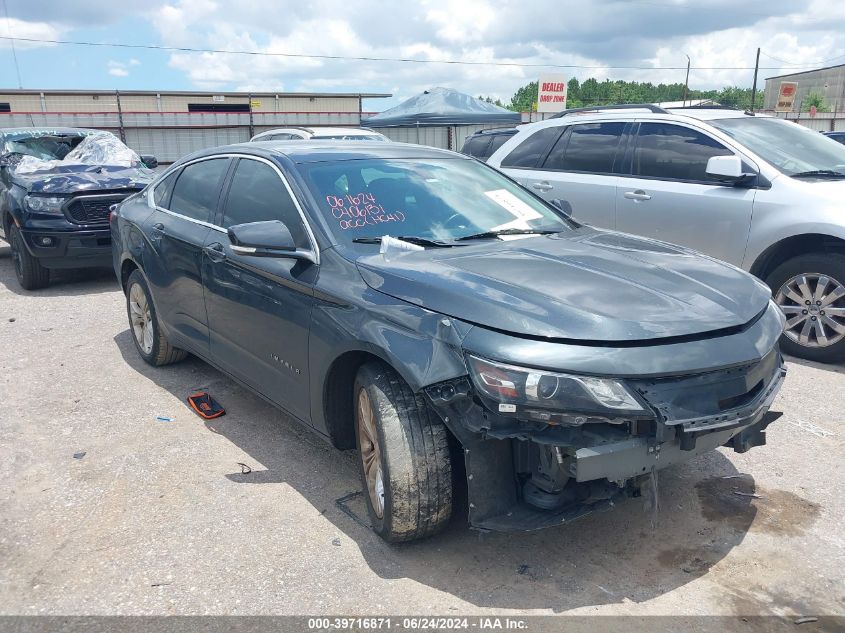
(414, 457)
(161, 351)
(29, 271)
(830, 264)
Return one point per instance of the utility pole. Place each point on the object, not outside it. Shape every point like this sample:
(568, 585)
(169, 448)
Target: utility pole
(686, 83)
(754, 87)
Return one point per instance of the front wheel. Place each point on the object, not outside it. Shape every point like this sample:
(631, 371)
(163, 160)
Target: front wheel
(404, 457)
(29, 271)
(810, 290)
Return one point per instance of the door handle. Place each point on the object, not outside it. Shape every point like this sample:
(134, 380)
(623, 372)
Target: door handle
(542, 186)
(215, 252)
(638, 196)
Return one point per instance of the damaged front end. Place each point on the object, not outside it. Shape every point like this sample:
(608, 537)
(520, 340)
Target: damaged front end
(543, 448)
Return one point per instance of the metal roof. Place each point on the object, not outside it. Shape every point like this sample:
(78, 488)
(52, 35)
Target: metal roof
(804, 72)
(191, 93)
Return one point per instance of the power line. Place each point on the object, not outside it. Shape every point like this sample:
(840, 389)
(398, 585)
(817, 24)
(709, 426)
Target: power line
(186, 49)
(815, 63)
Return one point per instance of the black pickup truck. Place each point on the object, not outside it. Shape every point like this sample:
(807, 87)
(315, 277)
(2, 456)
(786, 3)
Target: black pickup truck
(56, 188)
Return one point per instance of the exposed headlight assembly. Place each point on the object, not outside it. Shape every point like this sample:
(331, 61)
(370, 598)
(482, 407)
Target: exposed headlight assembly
(45, 204)
(553, 397)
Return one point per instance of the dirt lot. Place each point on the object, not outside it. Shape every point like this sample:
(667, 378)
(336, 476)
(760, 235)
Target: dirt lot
(105, 510)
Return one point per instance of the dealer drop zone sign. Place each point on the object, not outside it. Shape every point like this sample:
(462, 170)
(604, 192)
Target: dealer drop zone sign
(551, 95)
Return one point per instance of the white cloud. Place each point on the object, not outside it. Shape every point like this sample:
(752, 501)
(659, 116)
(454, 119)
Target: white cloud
(13, 27)
(117, 69)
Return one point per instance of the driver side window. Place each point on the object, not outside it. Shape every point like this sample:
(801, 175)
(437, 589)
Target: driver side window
(257, 194)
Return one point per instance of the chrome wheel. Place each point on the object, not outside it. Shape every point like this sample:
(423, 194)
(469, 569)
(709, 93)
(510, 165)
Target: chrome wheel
(814, 305)
(141, 318)
(370, 452)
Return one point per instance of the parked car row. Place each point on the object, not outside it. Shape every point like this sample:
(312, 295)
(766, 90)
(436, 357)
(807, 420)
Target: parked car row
(457, 329)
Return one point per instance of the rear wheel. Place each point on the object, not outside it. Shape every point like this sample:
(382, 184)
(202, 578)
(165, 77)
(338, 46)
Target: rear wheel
(29, 271)
(150, 342)
(810, 290)
(404, 457)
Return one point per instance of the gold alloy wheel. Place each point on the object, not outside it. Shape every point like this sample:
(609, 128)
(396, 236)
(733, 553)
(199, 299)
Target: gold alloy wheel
(370, 452)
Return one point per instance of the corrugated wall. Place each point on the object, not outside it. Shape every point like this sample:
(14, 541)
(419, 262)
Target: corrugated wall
(822, 122)
(170, 135)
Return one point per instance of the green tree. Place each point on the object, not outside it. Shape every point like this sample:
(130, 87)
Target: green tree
(525, 98)
(814, 98)
(591, 92)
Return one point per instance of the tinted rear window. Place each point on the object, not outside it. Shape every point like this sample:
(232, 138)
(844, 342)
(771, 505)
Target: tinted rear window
(531, 151)
(589, 147)
(197, 188)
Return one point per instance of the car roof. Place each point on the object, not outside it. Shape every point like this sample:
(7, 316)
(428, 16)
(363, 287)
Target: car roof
(313, 151)
(642, 114)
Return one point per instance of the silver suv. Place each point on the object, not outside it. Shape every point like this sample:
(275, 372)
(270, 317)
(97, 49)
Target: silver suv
(756, 191)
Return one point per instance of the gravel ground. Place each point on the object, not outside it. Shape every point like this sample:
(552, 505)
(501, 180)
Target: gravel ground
(105, 510)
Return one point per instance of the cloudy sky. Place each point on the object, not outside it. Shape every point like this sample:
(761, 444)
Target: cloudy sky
(644, 40)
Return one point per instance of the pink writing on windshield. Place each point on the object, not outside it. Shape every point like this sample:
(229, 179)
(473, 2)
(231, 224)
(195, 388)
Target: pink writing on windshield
(356, 211)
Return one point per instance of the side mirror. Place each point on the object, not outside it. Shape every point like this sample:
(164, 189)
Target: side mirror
(563, 206)
(149, 161)
(266, 239)
(727, 169)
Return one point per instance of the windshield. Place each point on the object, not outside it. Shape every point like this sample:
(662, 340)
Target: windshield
(46, 146)
(791, 148)
(438, 199)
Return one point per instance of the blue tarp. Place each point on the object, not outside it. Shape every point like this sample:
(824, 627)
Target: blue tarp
(442, 106)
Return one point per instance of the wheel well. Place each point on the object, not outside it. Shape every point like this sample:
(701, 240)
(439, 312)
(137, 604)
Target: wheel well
(790, 247)
(125, 270)
(338, 404)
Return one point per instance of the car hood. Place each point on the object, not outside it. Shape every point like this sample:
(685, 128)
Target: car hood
(71, 179)
(582, 285)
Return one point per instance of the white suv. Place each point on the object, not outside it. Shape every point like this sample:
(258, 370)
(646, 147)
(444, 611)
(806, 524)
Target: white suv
(325, 133)
(764, 194)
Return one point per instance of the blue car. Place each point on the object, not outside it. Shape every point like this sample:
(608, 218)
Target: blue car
(455, 329)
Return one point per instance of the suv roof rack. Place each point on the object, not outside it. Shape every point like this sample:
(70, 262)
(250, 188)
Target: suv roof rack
(496, 130)
(624, 106)
(715, 106)
(704, 106)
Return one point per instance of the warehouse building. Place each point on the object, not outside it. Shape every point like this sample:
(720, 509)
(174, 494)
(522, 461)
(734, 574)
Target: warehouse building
(171, 124)
(828, 82)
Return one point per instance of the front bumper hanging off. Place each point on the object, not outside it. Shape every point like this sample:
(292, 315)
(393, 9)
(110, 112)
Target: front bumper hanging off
(695, 414)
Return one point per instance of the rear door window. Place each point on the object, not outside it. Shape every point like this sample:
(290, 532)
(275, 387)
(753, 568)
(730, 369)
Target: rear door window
(197, 189)
(257, 194)
(674, 152)
(532, 150)
(162, 191)
(589, 147)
